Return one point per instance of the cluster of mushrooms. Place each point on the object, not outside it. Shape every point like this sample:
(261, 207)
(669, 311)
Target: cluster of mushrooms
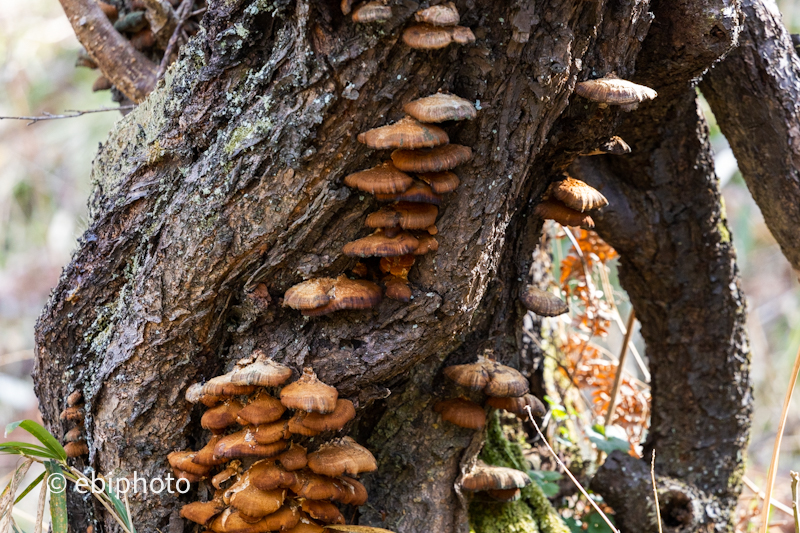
(414, 181)
(75, 443)
(506, 389)
(265, 479)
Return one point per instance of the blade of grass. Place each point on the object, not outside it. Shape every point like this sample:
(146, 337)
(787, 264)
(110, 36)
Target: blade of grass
(58, 501)
(37, 528)
(120, 508)
(7, 499)
(773, 465)
(25, 448)
(30, 487)
(44, 436)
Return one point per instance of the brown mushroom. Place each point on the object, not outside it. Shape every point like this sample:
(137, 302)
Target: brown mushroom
(341, 456)
(309, 294)
(441, 107)
(309, 394)
(267, 475)
(257, 503)
(343, 413)
(196, 393)
(397, 288)
(352, 492)
(76, 448)
(269, 433)
(380, 245)
(428, 37)
(231, 521)
(74, 398)
(323, 511)
(188, 476)
(183, 460)
(384, 178)
(294, 458)
(296, 425)
(610, 90)
(462, 412)
(222, 386)
(285, 518)
(555, 210)
(440, 182)
(109, 10)
(261, 371)
(487, 477)
(205, 456)
(517, 405)
(490, 377)
(263, 409)
(427, 243)
(74, 413)
(315, 487)
(441, 15)
(433, 160)
(405, 133)
(232, 470)
(375, 11)
(218, 418)
(418, 192)
(505, 495)
(407, 215)
(543, 303)
(202, 512)
(306, 525)
(577, 195)
(243, 444)
(348, 293)
(74, 434)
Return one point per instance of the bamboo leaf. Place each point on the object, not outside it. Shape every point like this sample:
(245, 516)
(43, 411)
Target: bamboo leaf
(26, 448)
(7, 497)
(30, 487)
(119, 507)
(58, 500)
(44, 436)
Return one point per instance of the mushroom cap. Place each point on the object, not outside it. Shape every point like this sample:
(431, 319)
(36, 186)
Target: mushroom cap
(429, 37)
(346, 293)
(223, 476)
(346, 6)
(191, 478)
(379, 245)
(555, 210)
(296, 425)
(517, 405)
(202, 512)
(306, 525)
(196, 393)
(427, 243)
(505, 495)
(474, 376)
(407, 215)
(323, 511)
(357, 529)
(397, 288)
(74, 398)
(269, 433)
(577, 195)
(418, 192)
(441, 15)
(267, 475)
(294, 458)
(543, 303)
(440, 182)
(74, 413)
(341, 456)
(343, 413)
(257, 503)
(352, 491)
(222, 386)
(285, 518)
(263, 409)
(433, 160)
(76, 448)
(218, 418)
(315, 487)
(261, 372)
(397, 266)
(490, 377)
(384, 178)
(615, 146)
(205, 455)
(463, 35)
(375, 11)
(75, 434)
(309, 294)
(309, 394)
(614, 91)
(183, 460)
(441, 107)
(407, 132)
(486, 477)
(243, 444)
(462, 412)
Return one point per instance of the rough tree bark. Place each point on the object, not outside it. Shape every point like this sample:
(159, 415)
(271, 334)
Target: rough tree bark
(223, 189)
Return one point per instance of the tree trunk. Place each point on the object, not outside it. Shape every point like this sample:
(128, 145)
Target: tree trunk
(224, 188)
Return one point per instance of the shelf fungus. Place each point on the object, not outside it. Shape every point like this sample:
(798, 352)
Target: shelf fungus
(614, 146)
(406, 215)
(310, 394)
(323, 511)
(384, 179)
(222, 416)
(418, 192)
(435, 160)
(405, 133)
(485, 477)
(260, 371)
(490, 377)
(518, 405)
(441, 182)
(441, 107)
(441, 15)
(430, 37)
(614, 91)
(376, 11)
(343, 413)
(462, 412)
(543, 303)
(76, 448)
(341, 456)
(320, 296)
(555, 210)
(396, 279)
(380, 245)
(577, 195)
(262, 409)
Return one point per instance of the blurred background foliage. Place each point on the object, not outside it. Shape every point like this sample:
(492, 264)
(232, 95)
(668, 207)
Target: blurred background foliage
(45, 183)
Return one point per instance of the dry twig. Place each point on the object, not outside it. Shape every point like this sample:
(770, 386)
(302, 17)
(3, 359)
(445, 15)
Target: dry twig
(69, 113)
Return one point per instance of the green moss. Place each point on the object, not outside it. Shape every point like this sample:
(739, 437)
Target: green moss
(532, 513)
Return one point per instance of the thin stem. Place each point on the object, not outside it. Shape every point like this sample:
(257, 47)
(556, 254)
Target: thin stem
(760, 494)
(655, 490)
(795, 479)
(773, 465)
(618, 378)
(183, 15)
(102, 497)
(70, 113)
(37, 528)
(569, 474)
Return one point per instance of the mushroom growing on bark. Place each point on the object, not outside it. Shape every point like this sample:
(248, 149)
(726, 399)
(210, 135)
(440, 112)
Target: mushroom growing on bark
(543, 303)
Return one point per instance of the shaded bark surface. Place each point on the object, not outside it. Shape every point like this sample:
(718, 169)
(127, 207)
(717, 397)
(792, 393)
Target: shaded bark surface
(223, 189)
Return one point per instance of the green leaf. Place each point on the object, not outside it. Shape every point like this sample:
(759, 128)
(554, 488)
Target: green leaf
(597, 524)
(30, 487)
(26, 448)
(573, 525)
(608, 443)
(119, 507)
(58, 501)
(44, 436)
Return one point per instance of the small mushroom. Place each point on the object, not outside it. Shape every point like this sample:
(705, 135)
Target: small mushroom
(231, 471)
(243, 444)
(384, 178)
(441, 15)
(427, 243)
(614, 91)
(306, 525)
(257, 503)
(218, 418)
(487, 477)
(196, 393)
(614, 146)
(429, 37)
(344, 293)
(267, 475)
(440, 182)
(260, 371)
(202, 512)
(407, 215)
(269, 433)
(352, 492)
(74, 398)
(222, 386)
(555, 210)
(285, 518)
(205, 456)
(375, 11)
(490, 377)
(109, 10)
(263, 409)
(462, 412)
(517, 405)
(315, 487)
(183, 460)
(418, 192)
(543, 303)
(76, 448)
(74, 434)
(73, 413)
(309, 294)
(441, 107)
(341, 415)
(577, 195)
(380, 245)
(405, 133)
(323, 511)
(433, 160)
(341, 456)
(505, 495)
(294, 458)
(310, 394)
(397, 288)
(296, 425)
